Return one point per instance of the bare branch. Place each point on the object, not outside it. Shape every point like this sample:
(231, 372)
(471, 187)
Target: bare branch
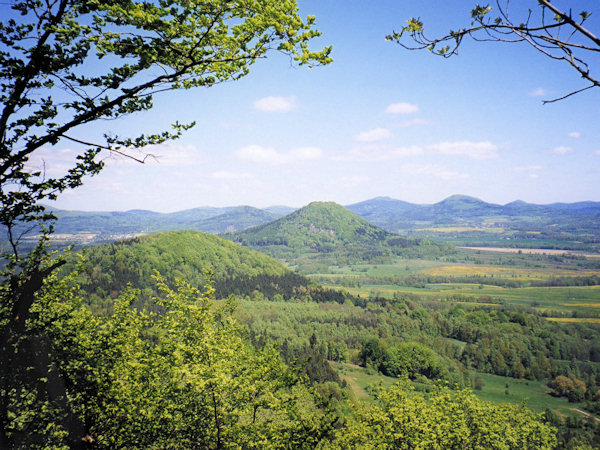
(556, 39)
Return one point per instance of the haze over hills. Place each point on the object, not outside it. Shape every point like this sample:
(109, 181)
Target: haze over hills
(467, 220)
(397, 215)
(460, 219)
(207, 219)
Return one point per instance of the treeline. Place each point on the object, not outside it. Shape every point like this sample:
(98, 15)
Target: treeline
(421, 281)
(289, 286)
(500, 340)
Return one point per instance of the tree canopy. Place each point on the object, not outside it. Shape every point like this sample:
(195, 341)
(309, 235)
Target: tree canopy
(559, 34)
(443, 419)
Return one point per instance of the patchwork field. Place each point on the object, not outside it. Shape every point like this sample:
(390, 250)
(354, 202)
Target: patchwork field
(564, 287)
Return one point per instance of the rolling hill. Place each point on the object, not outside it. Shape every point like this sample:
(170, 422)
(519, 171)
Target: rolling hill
(207, 219)
(108, 269)
(326, 228)
(395, 215)
(467, 220)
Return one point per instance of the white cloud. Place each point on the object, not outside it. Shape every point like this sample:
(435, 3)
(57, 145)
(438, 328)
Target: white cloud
(224, 175)
(414, 122)
(434, 170)
(276, 104)
(562, 150)
(597, 152)
(372, 153)
(474, 150)
(268, 155)
(538, 92)
(528, 168)
(52, 162)
(575, 134)
(533, 175)
(377, 134)
(402, 108)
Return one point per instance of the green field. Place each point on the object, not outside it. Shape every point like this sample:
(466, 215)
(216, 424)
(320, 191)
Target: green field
(495, 389)
(534, 393)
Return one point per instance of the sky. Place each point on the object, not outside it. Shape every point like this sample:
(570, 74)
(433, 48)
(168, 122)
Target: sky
(378, 121)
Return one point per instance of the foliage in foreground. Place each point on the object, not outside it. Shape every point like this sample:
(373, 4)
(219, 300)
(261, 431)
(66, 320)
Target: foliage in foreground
(182, 379)
(187, 378)
(443, 419)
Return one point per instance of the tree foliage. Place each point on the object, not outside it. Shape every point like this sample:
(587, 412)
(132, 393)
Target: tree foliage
(558, 34)
(65, 65)
(443, 419)
(185, 378)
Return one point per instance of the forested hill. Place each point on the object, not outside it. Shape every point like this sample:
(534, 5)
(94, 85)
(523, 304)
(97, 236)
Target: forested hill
(327, 228)
(108, 268)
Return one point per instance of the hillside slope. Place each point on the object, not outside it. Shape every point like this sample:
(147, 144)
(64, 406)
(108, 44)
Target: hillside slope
(325, 228)
(108, 268)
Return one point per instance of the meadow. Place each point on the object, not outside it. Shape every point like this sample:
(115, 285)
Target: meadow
(494, 388)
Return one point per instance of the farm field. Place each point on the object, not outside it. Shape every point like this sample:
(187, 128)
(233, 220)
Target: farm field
(545, 283)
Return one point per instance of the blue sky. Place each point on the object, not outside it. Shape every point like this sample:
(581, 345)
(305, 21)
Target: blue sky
(378, 121)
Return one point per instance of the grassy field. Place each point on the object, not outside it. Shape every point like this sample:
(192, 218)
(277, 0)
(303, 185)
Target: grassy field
(565, 303)
(534, 393)
(495, 389)
(358, 379)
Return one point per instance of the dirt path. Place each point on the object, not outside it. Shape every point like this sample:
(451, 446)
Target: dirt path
(356, 389)
(587, 414)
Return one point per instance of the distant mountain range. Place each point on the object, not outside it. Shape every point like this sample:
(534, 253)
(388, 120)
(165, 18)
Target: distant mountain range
(385, 212)
(459, 219)
(396, 215)
(206, 219)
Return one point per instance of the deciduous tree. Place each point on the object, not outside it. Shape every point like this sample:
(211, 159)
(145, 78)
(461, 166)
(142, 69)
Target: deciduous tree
(184, 378)
(66, 64)
(401, 419)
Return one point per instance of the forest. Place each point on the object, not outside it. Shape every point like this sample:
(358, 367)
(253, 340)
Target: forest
(427, 342)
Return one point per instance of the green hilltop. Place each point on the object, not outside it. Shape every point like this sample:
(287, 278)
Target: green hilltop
(328, 229)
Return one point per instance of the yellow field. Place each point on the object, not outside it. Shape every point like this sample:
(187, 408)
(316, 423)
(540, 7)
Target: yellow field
(463, 229)
(504, 272)
(574, 319)
(585, 305)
